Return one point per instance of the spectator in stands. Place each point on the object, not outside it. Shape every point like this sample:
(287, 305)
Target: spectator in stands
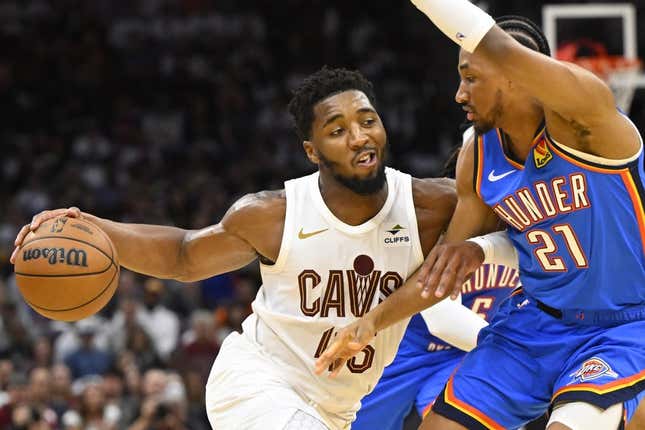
(157, 320)
(60, 394)
(200, 345)
(88, 359)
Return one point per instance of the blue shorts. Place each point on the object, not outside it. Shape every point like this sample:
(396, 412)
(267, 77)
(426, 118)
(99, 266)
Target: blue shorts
(409, 381)
(527, 360)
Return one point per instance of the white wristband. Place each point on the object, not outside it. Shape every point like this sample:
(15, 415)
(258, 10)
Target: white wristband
(454, 323)
(460, 20)
(498, 249)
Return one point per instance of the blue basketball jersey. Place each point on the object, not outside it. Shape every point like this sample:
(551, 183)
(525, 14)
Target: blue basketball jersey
(578, 226)
(423, 362)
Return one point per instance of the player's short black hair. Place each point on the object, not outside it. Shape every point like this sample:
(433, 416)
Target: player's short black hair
(525, 31)
(325, 83)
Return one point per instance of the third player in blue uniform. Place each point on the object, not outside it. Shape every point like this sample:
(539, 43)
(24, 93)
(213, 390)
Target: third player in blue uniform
(424, 362)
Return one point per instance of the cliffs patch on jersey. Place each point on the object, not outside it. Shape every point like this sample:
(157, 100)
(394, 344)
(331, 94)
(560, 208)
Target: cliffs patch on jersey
(395, 236)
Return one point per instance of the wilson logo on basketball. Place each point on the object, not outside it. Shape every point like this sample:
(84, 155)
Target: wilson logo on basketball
(71, 257)
(592, 369)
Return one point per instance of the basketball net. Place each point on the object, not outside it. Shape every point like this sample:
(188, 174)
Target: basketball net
(620, 73)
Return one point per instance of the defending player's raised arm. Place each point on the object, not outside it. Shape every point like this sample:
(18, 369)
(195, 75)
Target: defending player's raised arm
(570, 91)
(251, 227)
(580, 108)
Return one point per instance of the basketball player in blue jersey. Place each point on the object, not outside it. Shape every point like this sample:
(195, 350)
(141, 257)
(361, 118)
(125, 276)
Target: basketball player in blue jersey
(424, 362)
(556, 160)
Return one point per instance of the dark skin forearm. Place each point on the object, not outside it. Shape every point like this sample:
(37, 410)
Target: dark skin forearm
(403, 303)
(153, 250)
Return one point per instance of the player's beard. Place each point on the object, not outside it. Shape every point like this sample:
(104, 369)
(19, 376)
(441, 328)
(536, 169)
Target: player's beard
(361, 186)
(485, 125)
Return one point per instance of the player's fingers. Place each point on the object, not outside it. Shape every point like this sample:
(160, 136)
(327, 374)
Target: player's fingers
(458, 282)
(332, 352)
(432, 283)
(24, 231)
(14, 254)
(448, 277)
(322, 362)
(338, 366)
(355, 346)
(462, 276)
(424, 272)
(43, 216)
(364, 334)
(73, 212)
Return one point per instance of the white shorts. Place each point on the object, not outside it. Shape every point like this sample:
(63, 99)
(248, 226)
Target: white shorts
(244, 392)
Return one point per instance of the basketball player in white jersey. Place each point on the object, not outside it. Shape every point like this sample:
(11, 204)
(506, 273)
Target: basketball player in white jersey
(331, 245)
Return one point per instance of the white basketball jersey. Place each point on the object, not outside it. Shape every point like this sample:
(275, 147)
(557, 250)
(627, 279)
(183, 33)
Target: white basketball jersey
(327, 275)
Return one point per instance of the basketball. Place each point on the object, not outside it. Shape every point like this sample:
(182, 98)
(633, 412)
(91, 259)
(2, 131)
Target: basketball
(67, 269)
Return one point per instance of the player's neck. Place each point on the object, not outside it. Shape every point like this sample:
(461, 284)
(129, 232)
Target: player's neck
(348, 206)
(520, 130)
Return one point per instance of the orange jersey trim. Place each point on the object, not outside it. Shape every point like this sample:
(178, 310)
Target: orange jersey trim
(480, 164)
(582, 165)
(517, 291)
(538, 137)
(605, 388)
(637, 202)
(510, 161)
(426, 410)
(449, 397)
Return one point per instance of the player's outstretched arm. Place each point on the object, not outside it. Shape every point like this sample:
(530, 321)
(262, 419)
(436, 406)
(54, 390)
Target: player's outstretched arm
(579, 106)
(460, 327)
(350, 340)
(251, 227)
(451, 262)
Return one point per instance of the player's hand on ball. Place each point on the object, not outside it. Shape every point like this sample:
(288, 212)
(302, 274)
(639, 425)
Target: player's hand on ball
(36, 221)
(447, 267)
(347, 342)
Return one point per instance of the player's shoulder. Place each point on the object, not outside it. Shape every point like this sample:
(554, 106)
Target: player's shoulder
(261, 206)
(433, 193)
(434, 203)
(265, 199)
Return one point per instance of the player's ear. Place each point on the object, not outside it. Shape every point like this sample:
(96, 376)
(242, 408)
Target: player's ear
(311, 152)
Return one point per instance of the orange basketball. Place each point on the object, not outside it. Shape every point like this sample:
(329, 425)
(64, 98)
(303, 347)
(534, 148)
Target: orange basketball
(67, 269)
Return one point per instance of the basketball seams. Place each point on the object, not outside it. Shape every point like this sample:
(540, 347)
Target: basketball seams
(107, 239)
(63, 275)
(109, 284)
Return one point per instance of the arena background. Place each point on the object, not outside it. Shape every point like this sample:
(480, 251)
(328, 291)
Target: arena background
(166, 111)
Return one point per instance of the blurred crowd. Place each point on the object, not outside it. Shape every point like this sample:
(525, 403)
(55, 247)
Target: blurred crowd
(166, 111)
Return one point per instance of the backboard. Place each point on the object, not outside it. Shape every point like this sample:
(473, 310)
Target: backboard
(605, 35)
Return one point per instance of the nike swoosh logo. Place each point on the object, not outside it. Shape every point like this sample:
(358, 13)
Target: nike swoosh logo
(302, 235)
(494, 178)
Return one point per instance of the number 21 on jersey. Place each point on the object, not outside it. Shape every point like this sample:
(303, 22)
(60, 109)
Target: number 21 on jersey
(547, 247)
